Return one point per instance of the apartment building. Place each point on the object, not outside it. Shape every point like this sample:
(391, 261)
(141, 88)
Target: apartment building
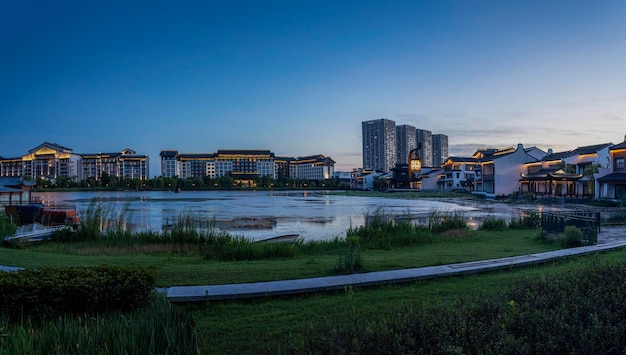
(125, 164)
(424, 139)
(440, 149)
(51, 160)
(379, 144)
(406, 141)
(245, 165)
(315, 167)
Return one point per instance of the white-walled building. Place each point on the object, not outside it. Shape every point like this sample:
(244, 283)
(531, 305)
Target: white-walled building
(500, 170)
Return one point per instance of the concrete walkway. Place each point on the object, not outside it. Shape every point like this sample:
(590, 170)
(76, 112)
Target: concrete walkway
(611, 239)
(288, 287)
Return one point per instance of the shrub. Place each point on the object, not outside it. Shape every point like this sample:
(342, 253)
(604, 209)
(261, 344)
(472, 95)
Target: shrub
(50, 291)
(573, 237)
(491, 223)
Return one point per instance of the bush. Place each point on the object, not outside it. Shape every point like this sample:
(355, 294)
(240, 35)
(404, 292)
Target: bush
(50, 291)
(573, 237)
(493, 224)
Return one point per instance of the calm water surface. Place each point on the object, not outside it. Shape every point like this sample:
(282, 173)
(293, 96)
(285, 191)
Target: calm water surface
(261, 214)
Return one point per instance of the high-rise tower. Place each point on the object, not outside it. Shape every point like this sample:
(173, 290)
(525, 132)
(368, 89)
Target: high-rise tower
(379, 144)
(405, 142)
(424, 138)
(440, 149)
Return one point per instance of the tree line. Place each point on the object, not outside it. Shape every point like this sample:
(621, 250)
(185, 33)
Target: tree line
(109, 182)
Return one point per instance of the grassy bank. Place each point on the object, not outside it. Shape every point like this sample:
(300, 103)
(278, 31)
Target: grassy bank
(355, 320)
(380, 320)
(176, 269)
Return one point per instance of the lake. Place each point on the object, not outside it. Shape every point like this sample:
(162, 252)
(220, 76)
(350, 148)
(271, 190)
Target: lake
(265, 214)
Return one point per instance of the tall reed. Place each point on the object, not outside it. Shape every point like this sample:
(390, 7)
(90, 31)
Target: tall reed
(159, 328)
(6, 227)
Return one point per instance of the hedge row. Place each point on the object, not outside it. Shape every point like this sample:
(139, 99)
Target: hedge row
(51, 291)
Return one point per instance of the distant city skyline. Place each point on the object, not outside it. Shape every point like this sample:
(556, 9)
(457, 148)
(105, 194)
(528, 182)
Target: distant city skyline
(299, 78)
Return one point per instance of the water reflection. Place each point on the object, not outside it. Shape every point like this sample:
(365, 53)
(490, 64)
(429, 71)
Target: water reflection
(266, 214)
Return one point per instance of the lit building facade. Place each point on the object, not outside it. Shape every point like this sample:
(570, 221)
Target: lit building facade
(169, 163)
(191, 165)
(424, 139)
(405, 142)
(50, 161)
(379, 144)
(46, 161)
(125, 164)
(245, 165)
(315, 167)
(440, 149)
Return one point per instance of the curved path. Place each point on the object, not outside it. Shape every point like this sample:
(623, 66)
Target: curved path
(608, 239)
(286, 287)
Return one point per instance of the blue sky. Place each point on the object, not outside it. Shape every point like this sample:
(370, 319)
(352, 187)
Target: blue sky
(299, 77)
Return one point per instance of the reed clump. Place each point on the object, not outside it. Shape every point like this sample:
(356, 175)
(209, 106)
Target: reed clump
(158, 328)
(6, 227)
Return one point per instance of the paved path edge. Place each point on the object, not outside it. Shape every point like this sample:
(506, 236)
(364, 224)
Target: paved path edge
(207, 293)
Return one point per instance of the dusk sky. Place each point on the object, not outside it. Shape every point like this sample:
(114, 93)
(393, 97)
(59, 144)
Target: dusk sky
(299, 77)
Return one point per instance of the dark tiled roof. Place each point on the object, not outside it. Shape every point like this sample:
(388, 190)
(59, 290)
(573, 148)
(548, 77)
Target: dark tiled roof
(11, 181)
(244, 152)
(169, 153)
(619, 146)
(590, 149)
(463, 159)
(553, 173)
(557, 156)
(51, 145)
(197, 156)
(113, 155)
(614, 177)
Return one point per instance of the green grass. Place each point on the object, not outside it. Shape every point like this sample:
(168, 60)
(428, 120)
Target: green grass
(193, 270)
(276, 325)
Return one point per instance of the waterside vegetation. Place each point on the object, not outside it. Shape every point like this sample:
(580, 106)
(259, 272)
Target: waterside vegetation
(495, 312)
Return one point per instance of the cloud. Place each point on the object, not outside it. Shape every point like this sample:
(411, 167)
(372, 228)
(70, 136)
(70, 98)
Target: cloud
(415, 119)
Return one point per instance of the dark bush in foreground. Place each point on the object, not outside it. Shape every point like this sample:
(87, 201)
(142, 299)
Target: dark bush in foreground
(49, 291)
(579, 312)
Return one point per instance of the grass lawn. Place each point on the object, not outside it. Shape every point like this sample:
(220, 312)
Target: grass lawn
(188, 268)
(267, 325)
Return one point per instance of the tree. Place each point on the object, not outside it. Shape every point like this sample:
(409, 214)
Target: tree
(591, 181)
(380, 183)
